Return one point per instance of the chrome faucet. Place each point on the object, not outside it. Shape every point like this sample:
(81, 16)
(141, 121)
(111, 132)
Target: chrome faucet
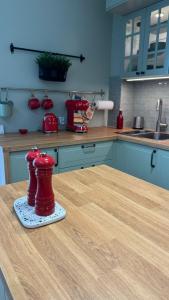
(159, 123)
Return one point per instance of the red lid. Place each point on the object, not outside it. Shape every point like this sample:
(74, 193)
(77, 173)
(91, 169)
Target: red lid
(77, 104)
(44, 161)
(31, 155)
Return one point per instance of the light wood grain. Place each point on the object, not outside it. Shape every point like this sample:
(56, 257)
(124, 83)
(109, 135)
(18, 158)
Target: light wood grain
(13, 142)
(17, 142)
(113, 243)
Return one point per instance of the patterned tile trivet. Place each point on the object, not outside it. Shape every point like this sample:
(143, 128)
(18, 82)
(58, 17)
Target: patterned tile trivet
(29, 219)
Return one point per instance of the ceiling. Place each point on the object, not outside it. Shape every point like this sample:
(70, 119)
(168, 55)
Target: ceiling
(133, 5)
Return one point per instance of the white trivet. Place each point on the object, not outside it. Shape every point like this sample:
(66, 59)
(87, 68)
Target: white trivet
(29, 219)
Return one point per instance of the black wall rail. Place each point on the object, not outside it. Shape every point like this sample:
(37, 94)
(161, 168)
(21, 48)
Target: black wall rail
(13, 48)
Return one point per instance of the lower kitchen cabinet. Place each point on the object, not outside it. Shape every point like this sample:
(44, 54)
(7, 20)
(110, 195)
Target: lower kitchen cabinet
(18, 165)
(83, 166)
(68, 158)
(134, 159)
(143, 162)
(161, 170)
(90, 153)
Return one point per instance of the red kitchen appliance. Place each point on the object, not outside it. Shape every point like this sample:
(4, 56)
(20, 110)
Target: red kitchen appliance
(50, 123)
(76, 115)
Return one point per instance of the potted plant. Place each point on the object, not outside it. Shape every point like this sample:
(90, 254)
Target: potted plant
(52, 67)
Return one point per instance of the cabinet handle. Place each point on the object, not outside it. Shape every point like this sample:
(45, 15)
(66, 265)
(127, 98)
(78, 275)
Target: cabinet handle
(137, 73)
(152, 158)
(57, 157)
(142, 73)
(88, 146)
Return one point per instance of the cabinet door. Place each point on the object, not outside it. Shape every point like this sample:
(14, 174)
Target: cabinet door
(18, 165)
(161, 177)
(135, 160)
(133, 43)
(85, 165)
(70, 156)
(156, 50)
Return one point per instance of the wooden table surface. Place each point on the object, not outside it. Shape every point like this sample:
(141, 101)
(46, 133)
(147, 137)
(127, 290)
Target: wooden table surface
(113, 244)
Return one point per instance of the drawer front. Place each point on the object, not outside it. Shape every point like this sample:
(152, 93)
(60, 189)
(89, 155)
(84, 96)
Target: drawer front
(84, 166)
(86, 153)
(18, 164)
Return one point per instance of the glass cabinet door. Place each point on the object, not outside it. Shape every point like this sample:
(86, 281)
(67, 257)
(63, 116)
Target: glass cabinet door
(156, 41)
(134, 34)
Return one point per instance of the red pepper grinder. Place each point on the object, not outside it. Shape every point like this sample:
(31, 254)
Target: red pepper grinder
(30, 156)
(44, 199)
(120, 120)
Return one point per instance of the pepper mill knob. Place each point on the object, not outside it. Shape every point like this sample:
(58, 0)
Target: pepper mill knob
(44, 199)
(30, 156)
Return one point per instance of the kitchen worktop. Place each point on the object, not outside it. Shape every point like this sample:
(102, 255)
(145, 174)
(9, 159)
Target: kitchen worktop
(17, 142)
(113, 243)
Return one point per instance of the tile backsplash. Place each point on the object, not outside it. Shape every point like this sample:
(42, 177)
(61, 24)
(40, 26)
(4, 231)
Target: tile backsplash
(146, 95)
(140, 98)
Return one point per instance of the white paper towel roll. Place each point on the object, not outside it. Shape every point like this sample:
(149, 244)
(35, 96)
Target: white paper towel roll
(104, 105)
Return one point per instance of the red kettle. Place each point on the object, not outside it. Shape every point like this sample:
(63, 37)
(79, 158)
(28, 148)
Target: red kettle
(50, 123)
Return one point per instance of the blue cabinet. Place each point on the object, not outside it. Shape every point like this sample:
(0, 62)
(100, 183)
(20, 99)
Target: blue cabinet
(146, 41)
(134, 159)
(85, 155)
(68, 158)
(161, 168)
(144, 162)
(133, 43)
(18, 165)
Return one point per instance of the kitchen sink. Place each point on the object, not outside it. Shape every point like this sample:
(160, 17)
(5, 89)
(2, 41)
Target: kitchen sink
(154, 135)
(135, 132)
(147, 134)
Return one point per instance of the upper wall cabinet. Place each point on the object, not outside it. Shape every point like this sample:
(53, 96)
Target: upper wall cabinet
(156, 50)
(133, 43)
(146, 41)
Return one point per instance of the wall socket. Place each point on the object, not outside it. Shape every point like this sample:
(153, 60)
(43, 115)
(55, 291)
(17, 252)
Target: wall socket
(62, 120)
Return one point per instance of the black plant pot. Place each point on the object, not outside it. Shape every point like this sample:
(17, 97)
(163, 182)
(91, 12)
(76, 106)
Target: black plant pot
(52, 74)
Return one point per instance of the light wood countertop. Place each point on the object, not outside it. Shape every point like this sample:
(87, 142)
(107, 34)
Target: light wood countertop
(113, 244)
(17, 142)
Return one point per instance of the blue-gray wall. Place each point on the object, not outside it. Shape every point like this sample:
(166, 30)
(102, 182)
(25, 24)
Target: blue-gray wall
(68, 26)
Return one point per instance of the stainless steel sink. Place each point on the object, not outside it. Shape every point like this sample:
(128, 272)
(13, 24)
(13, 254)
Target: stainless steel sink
(135, 132)
(155, 136)
(147, 134)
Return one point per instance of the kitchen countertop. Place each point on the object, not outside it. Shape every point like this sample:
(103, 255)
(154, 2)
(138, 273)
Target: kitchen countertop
(113, 244)
(17, 142)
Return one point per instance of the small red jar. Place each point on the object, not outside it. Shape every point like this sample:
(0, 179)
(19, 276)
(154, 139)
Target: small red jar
(30, 156)
(44, 199)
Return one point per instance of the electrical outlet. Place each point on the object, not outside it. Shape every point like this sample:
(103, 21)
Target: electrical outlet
(61, 120)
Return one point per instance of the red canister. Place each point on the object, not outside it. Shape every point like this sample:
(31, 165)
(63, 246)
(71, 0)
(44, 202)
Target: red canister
(31, 155)
(44, 199)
